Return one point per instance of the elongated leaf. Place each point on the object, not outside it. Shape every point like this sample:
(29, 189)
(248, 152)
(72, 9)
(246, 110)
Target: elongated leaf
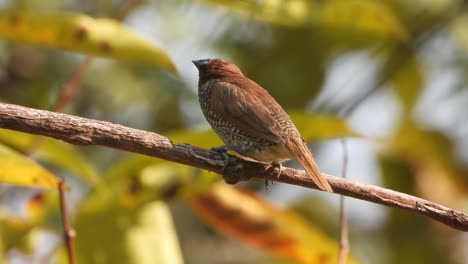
(241, 215)
(360, 16)
(18, 169)
(80, 33)
(60, 154)
(140, 235)
(154, 239)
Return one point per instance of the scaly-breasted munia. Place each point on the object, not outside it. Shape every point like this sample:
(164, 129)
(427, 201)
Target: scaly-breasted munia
(249, 120)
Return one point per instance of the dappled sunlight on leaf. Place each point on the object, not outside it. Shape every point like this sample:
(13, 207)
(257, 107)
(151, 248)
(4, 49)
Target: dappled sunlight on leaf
(80, 33)
(241, 215)
(20, 170)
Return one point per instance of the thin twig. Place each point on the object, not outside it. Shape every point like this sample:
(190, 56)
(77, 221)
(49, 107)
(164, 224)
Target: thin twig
(68, 232)
(71, 88)
(82, 131)
(344, 237)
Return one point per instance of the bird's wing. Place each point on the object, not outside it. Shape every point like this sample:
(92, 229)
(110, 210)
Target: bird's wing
(248, 107)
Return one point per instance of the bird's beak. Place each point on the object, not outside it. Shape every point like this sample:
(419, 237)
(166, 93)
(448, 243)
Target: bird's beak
(201, 63)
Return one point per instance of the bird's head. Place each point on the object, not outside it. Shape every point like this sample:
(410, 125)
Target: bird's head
(215, 69)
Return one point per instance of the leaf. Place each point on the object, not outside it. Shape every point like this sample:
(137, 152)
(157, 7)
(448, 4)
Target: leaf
(140, 179)
(438, 174)
(317, 127)
(61, 154)
(17, 169)
(143, 234)
(202, 139)
(360, 16)
(80, 33)
(153, 239)
(241, 215)
(408, 82)
(458, 31)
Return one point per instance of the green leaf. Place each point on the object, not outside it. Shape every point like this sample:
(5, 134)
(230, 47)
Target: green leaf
(80, 33)
(317, 127)
(143, 234)
(58, 153)
(360, 16)
(18, 169)
(408, 82)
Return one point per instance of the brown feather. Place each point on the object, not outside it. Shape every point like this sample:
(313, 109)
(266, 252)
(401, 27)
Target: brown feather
(248, 111)
(303, 155)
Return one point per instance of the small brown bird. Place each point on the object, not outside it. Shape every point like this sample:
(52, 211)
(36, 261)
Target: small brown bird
(249, 120)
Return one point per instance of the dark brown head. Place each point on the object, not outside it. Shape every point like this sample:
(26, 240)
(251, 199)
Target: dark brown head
(215, 69)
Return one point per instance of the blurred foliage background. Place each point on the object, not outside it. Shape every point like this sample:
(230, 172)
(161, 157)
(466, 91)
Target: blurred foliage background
(389, 75)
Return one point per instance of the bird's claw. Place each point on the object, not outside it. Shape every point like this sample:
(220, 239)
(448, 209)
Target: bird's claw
(280, 165)
(223, 151)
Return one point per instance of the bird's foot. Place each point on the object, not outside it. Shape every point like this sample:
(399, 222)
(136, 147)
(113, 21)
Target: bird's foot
(234, 173)
(280, 167)
(223, 151)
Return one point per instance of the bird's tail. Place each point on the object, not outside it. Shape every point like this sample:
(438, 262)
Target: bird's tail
(302, 154)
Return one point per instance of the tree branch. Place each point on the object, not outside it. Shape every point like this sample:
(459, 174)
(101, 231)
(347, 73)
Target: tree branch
(82, 131)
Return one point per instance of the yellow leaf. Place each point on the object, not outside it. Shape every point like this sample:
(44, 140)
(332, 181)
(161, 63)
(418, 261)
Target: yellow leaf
(58, 153)
(18, 169)
(80, 33)
(241, 215)
(458, 31)
(360, 16)
(154, 239)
